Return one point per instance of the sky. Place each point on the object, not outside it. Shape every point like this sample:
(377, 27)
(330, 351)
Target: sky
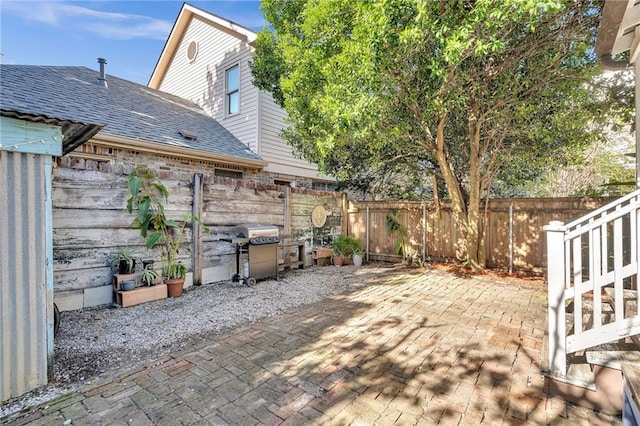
(129, 34)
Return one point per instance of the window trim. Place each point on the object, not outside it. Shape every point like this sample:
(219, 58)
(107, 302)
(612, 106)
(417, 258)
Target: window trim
(225, 173)
(229, 93)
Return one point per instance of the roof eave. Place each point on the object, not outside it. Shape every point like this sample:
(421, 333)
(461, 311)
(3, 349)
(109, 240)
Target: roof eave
(177, 33)
(74, 133)
(123, 142)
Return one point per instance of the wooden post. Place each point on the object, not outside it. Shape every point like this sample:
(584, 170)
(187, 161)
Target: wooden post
(287, 210)
(345, 215)
(286, 225)
(556, 310)
(196, 237)
(510, 238)
(424, 233)
(367, 234)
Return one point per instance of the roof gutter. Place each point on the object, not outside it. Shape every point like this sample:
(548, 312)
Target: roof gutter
(612, 16)
(121, 142)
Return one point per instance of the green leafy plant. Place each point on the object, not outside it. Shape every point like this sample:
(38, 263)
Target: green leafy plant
(346, 245)
(393, 225)
(124, 262)
(149, 277)
(338, 256)
(147, 195)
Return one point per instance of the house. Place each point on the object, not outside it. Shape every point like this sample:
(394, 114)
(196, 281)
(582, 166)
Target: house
(134, 116)
(206, 59)
(592, 271)
(197, 159)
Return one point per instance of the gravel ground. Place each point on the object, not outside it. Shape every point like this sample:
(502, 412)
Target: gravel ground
(97, 345)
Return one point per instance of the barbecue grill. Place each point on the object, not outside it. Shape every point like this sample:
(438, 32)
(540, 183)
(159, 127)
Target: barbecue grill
(257, 247)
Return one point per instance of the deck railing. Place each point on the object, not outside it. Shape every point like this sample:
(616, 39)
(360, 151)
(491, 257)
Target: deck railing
(590, 262)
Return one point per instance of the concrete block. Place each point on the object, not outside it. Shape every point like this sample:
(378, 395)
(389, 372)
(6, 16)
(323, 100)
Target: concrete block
(218, 273)
(69, 300)
(95, 296)
(188, 280)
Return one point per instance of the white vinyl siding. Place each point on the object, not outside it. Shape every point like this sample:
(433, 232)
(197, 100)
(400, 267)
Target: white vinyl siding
(273, 148)
(204, 82)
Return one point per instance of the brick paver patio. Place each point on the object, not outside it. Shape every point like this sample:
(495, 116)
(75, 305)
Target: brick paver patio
(428, 348)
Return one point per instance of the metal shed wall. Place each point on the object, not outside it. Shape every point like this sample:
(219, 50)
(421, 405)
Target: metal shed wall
(23, 283)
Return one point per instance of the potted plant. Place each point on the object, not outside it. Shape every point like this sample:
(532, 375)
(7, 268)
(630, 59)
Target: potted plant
(337, 258)
(124, 262)
(149, 277)
(357, 256)
(147, 195)
(346, 245)
(128, 285)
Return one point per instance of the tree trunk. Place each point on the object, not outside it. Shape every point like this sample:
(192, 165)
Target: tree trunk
(458, 205)
(473, 237)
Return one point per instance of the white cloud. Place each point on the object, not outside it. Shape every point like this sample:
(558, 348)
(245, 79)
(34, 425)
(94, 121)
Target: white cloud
(119, 26)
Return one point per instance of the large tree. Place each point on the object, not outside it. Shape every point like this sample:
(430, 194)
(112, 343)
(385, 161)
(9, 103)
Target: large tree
(463, 87)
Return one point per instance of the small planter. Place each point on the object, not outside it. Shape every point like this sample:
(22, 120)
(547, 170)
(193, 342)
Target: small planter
(357, 260)
(338, 260)
(128, 285)
(174, 287)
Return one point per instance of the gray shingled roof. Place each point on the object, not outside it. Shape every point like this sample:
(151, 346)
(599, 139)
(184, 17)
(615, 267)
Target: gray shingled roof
(125, 108)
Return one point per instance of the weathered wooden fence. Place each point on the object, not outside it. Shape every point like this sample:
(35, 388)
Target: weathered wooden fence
(513, 235)
(91, 224)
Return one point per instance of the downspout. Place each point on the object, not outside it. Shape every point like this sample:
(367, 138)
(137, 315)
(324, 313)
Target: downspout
(610, 64)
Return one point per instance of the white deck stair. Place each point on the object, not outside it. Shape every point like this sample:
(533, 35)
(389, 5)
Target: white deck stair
(593, 321)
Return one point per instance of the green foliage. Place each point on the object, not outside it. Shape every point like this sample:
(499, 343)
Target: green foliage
(149, 277)
(346, 246)
(127, 256)
(147, 194)
(396, 91)
(393, 226)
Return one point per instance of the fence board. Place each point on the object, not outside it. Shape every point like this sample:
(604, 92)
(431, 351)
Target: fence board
(442, 239)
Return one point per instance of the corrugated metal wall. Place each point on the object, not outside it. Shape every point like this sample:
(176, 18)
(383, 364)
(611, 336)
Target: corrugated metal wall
(23, 290)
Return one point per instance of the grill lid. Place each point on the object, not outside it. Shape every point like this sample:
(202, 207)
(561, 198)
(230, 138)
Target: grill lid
(257, 231)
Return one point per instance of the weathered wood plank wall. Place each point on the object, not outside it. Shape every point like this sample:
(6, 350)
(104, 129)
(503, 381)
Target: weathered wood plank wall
(91, 224)
(527, 218)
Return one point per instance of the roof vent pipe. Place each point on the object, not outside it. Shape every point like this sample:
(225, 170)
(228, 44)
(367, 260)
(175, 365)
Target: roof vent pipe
(102, 80)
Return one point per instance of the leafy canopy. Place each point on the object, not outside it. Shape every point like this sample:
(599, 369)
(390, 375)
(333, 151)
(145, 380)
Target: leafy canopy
(456, 88)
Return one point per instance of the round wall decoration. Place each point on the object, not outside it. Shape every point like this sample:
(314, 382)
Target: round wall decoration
(318, 216)
(192, 50)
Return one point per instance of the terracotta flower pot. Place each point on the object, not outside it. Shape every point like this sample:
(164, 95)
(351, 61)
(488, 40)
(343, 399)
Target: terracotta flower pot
(338, 260)
(174, 287)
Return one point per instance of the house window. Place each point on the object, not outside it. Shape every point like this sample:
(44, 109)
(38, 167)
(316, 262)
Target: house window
(324, 186)
(232, 81)
(233, 174)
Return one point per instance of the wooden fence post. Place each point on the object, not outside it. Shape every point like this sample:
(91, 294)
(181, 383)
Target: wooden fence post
(196, 237)
(345, 215)
(510, 238)
(555, 287)
(287, 211)
(424, 233)
(367, 234)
